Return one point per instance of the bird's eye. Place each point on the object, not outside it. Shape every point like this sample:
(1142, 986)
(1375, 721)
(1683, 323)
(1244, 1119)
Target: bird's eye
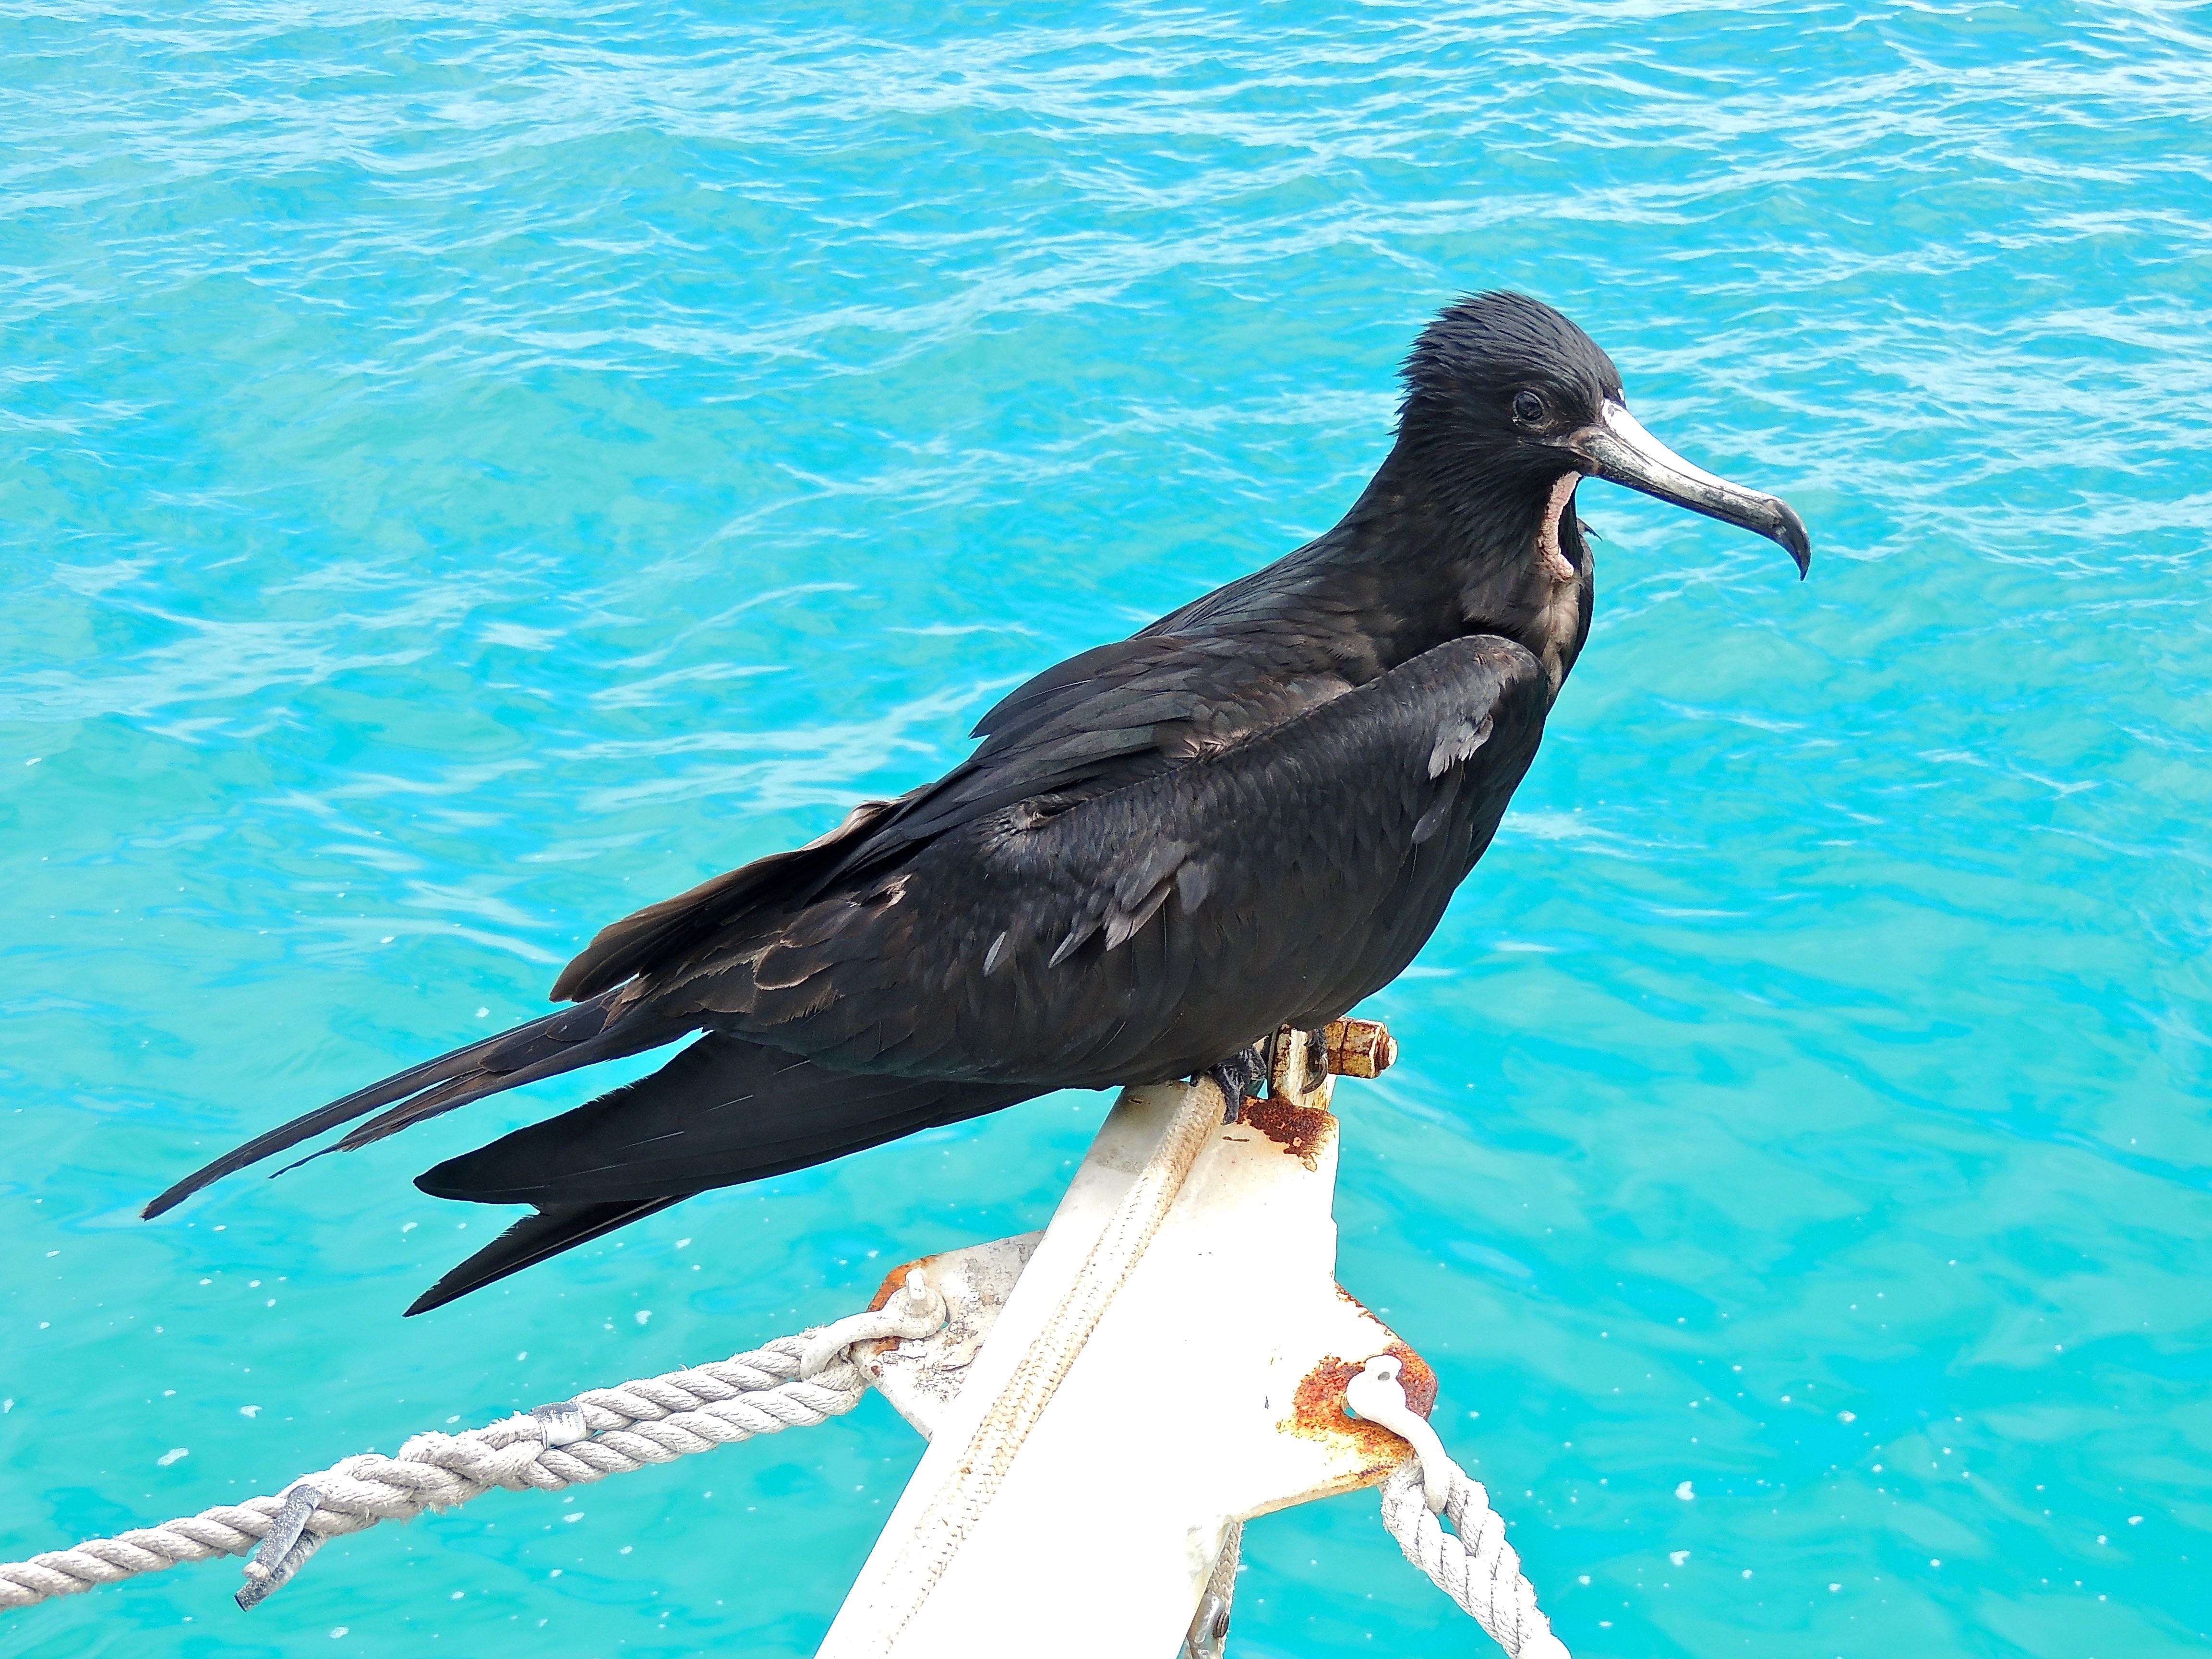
(1528, 409)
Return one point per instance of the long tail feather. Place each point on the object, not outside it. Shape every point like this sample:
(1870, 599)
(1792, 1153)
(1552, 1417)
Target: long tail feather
(559, 1042)
(529, 1241)
(723, 1111)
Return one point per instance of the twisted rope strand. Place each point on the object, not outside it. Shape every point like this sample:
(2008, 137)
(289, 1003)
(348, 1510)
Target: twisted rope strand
(1472, 1563)
(654, 1420)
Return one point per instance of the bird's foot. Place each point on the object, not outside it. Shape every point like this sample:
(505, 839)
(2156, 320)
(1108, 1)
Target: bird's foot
(1237, 1076)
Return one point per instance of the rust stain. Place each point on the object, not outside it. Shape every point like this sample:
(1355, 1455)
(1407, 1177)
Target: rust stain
(1298, 1130)
(869, 1353)
(1317, 1409)
(895, 1280)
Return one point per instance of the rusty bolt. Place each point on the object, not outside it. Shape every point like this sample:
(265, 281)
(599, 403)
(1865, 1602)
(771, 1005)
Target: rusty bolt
(1359, 1047)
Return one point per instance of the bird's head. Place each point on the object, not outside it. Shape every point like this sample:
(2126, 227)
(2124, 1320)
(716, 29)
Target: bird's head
(1509, 404)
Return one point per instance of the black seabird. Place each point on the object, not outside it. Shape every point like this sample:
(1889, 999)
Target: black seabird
(1250, 815)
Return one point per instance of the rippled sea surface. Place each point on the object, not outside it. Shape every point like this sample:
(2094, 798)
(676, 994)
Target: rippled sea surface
(468, 472)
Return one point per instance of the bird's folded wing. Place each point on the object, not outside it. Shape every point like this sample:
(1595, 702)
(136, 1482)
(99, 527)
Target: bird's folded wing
(1147, 928)
(666, 929)
(1102, 718)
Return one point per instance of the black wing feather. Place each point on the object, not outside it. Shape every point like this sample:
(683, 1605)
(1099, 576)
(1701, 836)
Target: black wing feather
(559, 1042)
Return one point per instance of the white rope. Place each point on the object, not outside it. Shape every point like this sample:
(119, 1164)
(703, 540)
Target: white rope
(602, 1432)
(1472, 1563)
(954, 1508)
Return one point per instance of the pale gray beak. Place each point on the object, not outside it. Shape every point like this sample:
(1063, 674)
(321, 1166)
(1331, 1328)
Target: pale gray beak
(1616, 446)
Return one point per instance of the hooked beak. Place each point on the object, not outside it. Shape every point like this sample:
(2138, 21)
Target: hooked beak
(1616, 446)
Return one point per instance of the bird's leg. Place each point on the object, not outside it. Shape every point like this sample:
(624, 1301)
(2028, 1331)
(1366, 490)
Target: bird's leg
(1237, 1075)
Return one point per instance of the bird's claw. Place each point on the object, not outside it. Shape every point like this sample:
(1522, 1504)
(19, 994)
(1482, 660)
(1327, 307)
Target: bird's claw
(1237, 1077)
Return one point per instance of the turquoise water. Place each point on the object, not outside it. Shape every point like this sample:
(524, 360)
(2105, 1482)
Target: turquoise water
(468, 473)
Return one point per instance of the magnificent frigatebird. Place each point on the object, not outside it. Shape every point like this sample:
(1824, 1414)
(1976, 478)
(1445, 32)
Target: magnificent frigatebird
(1250, 815)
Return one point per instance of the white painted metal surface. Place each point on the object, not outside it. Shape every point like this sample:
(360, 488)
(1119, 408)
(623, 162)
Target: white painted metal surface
(1211, 1391)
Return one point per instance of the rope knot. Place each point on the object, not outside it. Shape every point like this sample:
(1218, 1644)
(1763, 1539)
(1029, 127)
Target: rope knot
(914, 1311)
